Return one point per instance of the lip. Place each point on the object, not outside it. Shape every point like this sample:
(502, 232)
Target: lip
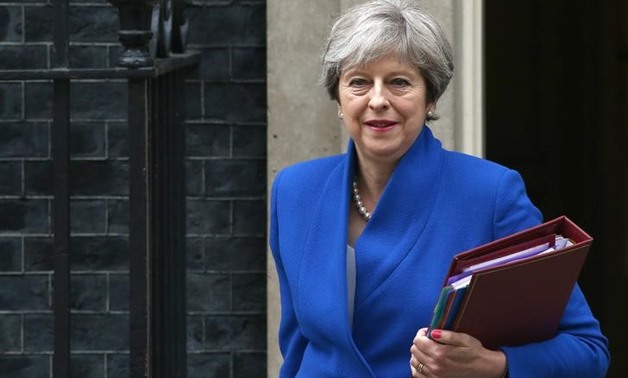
(380, 124)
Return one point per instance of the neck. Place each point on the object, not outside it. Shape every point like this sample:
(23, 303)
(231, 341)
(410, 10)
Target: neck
(373, 178)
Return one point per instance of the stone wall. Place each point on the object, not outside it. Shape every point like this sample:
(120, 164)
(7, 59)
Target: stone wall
(226, 186)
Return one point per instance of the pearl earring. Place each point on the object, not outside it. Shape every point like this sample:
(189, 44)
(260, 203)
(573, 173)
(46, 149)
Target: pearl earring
(430, 114)
(340, 115)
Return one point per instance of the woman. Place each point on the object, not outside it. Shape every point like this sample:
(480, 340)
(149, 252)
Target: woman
(362, 241)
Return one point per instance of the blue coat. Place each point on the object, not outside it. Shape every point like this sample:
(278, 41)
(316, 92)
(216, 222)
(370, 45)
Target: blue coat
(437, 203)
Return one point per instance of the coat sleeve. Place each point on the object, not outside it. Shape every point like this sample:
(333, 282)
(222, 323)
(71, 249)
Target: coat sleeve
(579, 349)
(291, 342)
(513, 209)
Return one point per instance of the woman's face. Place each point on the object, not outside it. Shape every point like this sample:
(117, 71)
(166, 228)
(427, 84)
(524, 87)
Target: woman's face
(383, 105)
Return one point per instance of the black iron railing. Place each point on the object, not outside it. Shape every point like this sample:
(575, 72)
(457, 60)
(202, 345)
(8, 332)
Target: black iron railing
(155, 63)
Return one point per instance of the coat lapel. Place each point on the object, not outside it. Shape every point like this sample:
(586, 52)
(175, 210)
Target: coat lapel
(400, 217)
(322, 288)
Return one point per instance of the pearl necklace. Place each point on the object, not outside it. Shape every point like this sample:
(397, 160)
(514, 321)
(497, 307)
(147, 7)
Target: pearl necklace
(358, 201)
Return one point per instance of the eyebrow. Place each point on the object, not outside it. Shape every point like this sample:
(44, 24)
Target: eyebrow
(358, 71)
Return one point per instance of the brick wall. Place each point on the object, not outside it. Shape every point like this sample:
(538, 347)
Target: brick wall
(226, 205)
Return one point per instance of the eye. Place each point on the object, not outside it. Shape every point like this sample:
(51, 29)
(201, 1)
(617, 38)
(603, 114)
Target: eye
(357, 82)
(400, 82)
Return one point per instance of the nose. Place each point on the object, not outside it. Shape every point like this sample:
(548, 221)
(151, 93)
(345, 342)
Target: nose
(379, 97)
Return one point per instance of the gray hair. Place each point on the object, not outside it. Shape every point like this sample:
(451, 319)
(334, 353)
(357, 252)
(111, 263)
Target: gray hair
(377, 28)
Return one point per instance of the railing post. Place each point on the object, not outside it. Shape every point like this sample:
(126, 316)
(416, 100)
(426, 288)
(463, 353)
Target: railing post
(157, 228)
(140, 230)
(60, 140)
(135, 34)
(156, 204)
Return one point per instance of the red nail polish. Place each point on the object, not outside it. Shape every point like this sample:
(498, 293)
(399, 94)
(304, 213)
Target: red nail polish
(435, 334)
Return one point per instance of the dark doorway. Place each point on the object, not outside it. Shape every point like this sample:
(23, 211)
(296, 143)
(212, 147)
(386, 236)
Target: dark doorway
(556, 93)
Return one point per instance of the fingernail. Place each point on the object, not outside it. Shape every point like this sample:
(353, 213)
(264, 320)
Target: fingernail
(435, 334)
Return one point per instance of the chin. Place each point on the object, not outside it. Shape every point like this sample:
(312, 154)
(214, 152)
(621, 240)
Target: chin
(386, 153)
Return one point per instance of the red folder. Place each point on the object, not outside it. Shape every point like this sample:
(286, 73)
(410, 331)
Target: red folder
(523, 301)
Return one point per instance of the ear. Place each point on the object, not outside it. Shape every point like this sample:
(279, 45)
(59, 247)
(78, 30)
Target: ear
(339, 108)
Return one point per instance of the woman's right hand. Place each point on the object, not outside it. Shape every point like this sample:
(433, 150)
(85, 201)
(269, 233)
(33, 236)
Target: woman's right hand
(453, 354)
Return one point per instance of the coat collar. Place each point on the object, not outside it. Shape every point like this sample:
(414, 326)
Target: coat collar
(396, 225)
(400, 216)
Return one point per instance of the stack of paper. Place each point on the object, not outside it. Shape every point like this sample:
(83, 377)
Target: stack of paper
(513, 290)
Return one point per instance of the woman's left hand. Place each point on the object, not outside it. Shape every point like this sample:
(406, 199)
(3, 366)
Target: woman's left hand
(453, 354)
